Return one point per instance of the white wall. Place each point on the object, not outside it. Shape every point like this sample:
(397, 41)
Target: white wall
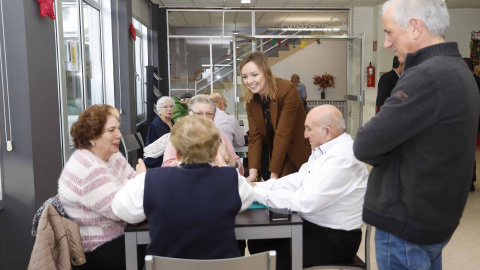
(317, 59)
(462, 22)
(140, 10)
(369, 21)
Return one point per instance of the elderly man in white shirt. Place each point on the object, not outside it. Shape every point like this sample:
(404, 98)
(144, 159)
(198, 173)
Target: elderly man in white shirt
(227, 124)
(327, 192)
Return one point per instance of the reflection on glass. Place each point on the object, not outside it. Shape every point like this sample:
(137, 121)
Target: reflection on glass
(189, 65)
(93, 55)
(138, 77)
(73, 62)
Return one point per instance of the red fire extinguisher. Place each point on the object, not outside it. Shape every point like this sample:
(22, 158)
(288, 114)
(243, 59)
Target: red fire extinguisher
(370, 75)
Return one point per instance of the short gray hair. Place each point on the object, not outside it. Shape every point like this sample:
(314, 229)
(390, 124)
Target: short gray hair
(162, 101)
(201, 99)
(433, 14)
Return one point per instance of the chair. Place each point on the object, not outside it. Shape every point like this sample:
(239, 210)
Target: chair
(261, 261)
(132, 142)
(357, 263)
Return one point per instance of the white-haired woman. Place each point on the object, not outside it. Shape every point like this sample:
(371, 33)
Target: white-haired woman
(161, 125)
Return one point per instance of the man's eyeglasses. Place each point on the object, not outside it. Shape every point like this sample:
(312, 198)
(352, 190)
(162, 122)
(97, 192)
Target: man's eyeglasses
(206, 114)
(167, 107)
(226, 106)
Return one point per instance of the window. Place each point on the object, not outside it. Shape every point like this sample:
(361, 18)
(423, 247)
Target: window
(141, 61)
(81, 65)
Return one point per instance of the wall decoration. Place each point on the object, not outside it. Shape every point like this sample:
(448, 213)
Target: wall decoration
(133, 33)
(46, 8)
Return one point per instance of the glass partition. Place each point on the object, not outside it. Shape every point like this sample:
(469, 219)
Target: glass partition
(355, 93)
(81, 65)
(93, 55)
(189, 65)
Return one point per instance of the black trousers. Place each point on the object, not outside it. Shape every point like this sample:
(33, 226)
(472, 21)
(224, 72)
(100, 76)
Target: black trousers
(320, 246)
(110, 255)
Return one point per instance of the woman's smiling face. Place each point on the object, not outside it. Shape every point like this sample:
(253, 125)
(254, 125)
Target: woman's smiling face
(254, 78)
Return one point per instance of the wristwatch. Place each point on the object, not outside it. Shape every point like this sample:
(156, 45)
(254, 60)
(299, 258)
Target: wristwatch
(227, 159)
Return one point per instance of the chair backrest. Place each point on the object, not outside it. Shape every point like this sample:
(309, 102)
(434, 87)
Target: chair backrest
(261, 261)
(132, 142)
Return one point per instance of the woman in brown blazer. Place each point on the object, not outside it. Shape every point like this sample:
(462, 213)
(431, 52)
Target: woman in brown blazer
(275, 116)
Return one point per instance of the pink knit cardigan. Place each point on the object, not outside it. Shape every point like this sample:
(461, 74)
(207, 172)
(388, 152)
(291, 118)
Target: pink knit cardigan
(86, 189)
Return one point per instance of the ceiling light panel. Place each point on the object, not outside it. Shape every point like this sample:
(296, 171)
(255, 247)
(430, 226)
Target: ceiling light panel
(269, 3)
(364, 3)
(332, 3)
(301, 3)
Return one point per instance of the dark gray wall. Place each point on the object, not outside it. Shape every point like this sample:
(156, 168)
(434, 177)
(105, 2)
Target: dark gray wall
(31, 170)
(126, 64)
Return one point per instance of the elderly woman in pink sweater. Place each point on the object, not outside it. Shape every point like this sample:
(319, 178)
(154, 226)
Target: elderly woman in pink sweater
(89, 182)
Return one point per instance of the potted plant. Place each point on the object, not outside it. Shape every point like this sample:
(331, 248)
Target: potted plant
(324, 81)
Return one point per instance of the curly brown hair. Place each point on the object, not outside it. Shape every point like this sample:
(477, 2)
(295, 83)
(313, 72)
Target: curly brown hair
(90, 124)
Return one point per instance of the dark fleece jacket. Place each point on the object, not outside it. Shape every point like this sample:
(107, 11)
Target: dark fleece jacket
(422, 146)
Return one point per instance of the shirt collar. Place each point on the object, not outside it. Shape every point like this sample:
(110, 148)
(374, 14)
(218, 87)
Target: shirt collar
(324, 148)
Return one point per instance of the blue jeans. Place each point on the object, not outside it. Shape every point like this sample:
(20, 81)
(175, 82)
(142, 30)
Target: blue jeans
(394, 253)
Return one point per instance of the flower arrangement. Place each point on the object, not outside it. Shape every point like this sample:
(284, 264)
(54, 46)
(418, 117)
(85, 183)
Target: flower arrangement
(324, 81)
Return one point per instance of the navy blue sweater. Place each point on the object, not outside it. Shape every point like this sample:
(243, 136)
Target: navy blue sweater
(191, 210)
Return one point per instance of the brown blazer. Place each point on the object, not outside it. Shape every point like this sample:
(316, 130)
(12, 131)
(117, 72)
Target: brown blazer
(290, 149)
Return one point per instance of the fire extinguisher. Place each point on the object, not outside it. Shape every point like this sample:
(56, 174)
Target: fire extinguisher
(370, 75)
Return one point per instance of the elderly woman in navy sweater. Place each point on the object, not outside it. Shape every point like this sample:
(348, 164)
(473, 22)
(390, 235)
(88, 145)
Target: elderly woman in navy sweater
(191, 208)
(161, 125)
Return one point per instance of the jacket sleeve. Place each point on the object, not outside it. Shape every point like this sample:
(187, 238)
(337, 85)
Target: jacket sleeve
(254, 139)
(385, 86)
(283, 132)
(412, 108)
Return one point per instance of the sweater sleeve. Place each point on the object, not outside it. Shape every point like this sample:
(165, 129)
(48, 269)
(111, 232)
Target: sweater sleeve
(128, 202)
(86, 183)
(412, 108)
(170, 157)
(232, 153)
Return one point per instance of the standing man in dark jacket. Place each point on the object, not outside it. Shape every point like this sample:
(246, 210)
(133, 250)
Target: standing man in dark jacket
(422, 143)
(387, 82)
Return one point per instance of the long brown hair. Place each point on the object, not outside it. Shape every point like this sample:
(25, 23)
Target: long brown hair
(261, 60)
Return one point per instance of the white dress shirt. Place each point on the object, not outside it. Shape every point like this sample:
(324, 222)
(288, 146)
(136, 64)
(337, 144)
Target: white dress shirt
(229, 126)
(328, 190)
(128, 202)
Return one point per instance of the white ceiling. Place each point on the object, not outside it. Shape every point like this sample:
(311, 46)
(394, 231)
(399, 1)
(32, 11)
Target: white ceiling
(294, 3)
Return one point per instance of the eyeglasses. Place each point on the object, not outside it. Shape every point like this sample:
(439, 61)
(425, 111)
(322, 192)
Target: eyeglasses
(226, 106)
(167, 107)
(206, 114)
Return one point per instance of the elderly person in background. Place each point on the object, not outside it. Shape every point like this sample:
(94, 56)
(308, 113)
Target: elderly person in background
(88, 183)
(161, 125)
(191, 208)
(202, 105)
(227, 124)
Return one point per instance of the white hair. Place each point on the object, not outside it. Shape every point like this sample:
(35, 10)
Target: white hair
(162, 101)
(433, 14)
(201, 99)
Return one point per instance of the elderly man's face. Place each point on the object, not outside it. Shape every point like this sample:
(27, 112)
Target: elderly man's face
(203, 109)
(313, 133)
(396, 37)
